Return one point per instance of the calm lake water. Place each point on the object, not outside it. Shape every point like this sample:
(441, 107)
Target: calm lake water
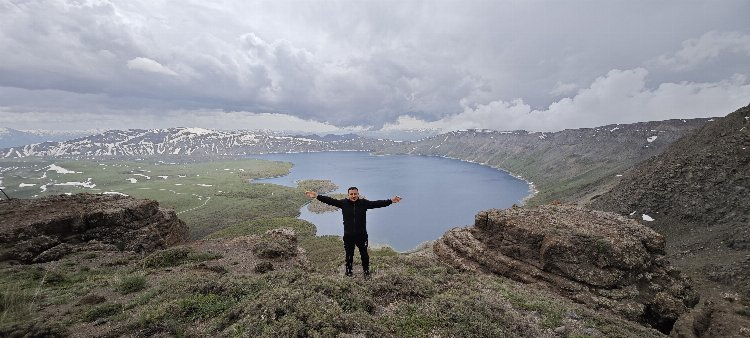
(438, 193)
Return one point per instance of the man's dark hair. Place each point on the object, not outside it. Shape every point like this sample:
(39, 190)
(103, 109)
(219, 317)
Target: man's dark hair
(352, 188)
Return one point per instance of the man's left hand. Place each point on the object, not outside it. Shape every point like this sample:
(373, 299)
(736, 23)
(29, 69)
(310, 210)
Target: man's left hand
(396, 199)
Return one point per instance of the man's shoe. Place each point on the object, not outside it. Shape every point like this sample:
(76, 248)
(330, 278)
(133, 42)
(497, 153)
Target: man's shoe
(348, 273)
(367, 274)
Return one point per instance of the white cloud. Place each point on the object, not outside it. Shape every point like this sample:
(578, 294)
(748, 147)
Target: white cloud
(254, 121)
(149, 66)
(563, 88)
(706, 48)
(621, 96)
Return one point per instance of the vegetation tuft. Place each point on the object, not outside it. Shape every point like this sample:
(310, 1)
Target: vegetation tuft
(319, 186)
(102, 311)
(259, 226)
(130, 284)
(176, 256)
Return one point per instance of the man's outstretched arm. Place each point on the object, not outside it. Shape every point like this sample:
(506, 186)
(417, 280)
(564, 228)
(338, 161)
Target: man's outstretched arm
(382, 203)
(325, 199)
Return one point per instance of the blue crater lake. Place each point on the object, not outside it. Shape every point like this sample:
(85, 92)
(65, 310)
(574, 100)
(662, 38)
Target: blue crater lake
(438, 193)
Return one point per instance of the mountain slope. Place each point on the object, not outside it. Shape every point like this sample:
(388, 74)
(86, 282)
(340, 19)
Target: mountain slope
(698, 193)
(186, 141)
(702, 178)
(568, 165)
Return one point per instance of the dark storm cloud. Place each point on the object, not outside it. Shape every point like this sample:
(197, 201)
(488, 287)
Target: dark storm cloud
(370, 63)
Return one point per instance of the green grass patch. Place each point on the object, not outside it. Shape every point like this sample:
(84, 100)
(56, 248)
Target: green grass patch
(411, 320)
(400, 286)
(176, 256)
(202, 306)
(102, 311)
(15, 304)
(319, 186)
(297, 303)
(259, 226)
(326, 253)
(130, 284)
(208, 196)
(467, 313)
(552, 313)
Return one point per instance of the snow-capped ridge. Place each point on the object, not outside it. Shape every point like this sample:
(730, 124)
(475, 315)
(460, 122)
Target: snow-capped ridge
(185, 141)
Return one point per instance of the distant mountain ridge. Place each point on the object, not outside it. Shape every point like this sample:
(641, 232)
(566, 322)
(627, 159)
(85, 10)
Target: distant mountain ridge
(188, 141)
(569, 165)
(13, 138)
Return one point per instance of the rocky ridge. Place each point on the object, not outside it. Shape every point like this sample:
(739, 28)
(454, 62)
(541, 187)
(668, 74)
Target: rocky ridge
(568, 165)
(696, 193)
(703, 179)
(46, 229)
(189, 142)
(596, 258)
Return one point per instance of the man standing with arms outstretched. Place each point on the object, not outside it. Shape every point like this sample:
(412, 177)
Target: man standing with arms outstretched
(354, 211)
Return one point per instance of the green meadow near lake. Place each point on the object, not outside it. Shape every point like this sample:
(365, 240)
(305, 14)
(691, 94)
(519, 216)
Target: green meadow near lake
(208, 196)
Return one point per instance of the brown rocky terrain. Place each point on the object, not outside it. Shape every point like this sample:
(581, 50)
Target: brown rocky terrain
(45, 229)
(697, 193)
(701, 179)
(600, 259)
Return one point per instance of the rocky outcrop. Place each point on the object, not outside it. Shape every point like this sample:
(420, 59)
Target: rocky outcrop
(697, 194)
(276, 249)
(714, 318)
(277, 243)
(592, 257)
(45, 229)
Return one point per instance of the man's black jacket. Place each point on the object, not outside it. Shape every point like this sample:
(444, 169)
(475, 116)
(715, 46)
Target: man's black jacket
(355, 213)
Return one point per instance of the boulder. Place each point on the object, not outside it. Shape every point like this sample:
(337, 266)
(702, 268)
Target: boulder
(277, 243)
(46, 229)
(592, 257)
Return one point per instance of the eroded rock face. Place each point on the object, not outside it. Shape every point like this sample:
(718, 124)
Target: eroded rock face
(45, 229)
(592, 257)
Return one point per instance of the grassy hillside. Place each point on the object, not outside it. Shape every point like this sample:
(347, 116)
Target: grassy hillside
(194, 290)
(214, 287)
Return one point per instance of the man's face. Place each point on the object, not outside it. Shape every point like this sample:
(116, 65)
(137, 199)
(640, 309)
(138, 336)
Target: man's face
(353, 195)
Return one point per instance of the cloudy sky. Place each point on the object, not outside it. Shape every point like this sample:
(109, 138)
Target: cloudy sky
(349, 65)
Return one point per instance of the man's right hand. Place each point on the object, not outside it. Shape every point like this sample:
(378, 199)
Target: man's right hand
(311, 194)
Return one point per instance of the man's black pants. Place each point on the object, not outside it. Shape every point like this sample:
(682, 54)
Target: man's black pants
(360, 241)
